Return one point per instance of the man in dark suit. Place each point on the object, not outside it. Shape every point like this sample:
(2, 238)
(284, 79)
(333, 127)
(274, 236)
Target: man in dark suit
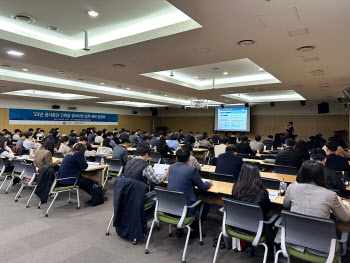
(229, 162)
(335, 162)
(189, 138)
(243, 146)
(181, 135)
(289, 157)
(216, 138)
(184, 178)
(311, 144)
(334, 181)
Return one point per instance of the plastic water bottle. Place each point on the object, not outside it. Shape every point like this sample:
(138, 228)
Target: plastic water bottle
(102, 161)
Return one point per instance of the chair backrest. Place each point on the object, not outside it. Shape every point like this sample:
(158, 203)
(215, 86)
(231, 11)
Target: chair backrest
(243, 215)
(282, 169)
(98, 158)
(58, 155)
(304, 230)
(213, 161)
(96, 143)
(228, 178)
(19, 165)
(115, 165)
(270, 183)
(29, 171)
(155, 157)
(24, 151)
(170, 202)
(243, 155)
(267, 156)
(344, 175)
(203, 147)
(2, 166)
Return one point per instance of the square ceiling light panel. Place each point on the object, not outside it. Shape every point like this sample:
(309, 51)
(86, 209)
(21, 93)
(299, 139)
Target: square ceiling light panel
(115, 24)
(267, 96)
(234, 73)
(131, 104)
(48, 95)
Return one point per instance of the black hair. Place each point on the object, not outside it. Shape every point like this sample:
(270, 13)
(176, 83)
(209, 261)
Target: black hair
(2, 142)
(225, 140)
(54, 133)
(133, 132)
(49, 145)
(79, 147)
(257, 138)
(182, 155)
(146, 137)
(30, 129)
(142, 150)
(64, 139)
(144, 132)
(243, 138)
(332, 146)
(28, 134)
(313, 171)
(124, 140)
(109, 134)
(17, 130)
(249, 181)
(232, 149)
(270, 136)
(188, 147)
(312, 138)
(290, 142)
(173, 137)
(291, 123)
(160, 133)
(318, 154)
(99, 133)
(216, 132)
(83, 138)
(190, 132)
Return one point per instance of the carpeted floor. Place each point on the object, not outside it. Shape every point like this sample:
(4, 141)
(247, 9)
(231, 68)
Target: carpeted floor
(71, 235)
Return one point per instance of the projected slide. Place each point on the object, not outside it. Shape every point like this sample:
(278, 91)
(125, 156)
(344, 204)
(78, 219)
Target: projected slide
(233, 119)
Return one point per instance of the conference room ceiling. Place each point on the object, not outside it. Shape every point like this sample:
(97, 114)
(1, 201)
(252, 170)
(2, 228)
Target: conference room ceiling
(277, 28)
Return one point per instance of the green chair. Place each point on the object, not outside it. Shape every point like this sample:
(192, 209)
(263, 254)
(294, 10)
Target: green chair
(3, 173)
(18, 169)
(241, 218)
(115, 169)
(310, 232)
(55, 190)
(28, 180)
(171, 208)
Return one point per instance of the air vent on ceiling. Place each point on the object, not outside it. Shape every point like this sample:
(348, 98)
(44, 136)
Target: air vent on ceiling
(305, 48)
(61, 72)
(311, 59)
(53, 28)
(298, 32)
(5, 66)
(71, 108)
(23, 18)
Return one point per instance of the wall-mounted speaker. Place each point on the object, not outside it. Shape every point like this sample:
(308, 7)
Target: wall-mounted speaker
(154, 112)
(246, 105)
(303, 103)
(222, 105)
(71, 108)
(56, 107)
(323, 108)
(272, 104)
(134, 112)
(167, 108)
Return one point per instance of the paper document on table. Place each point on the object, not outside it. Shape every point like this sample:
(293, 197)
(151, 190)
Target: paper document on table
(92, 165)
(273, 195)
(160, 168)
(205, 180)
(206, 168)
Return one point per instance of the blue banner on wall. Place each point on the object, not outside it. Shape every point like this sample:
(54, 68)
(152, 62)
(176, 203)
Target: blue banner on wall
(29, 116)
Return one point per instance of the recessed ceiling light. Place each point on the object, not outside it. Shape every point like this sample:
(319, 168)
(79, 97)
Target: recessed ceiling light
(119, 66)
(225, 73)
(166, 95)
(306, 48)
(61, 72)
(53, 28)
(102, 83)
(23, 18)
(317, 71)
(24, 69)
(179, 97)
(245, 43)
(196, 77)
(93, 13)
(127, 88)
(15, 53)
(261, 69)
(148, 92)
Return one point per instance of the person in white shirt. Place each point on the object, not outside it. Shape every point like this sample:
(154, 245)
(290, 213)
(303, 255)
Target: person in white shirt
(221, 148)
(62, 146)
(99, 138)
(16, 136)
(29, 142)
(257, 145)
(5, 151)
(84, 140)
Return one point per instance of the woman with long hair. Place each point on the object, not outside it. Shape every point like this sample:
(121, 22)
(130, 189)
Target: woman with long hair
(301, 148)
(249, 188)
(62, 146)
(163, 148)
(44, 155)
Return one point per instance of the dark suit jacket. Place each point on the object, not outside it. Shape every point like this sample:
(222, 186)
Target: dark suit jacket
(184, 178)
(215, 138)
(289, 158)
(337, 163)
(333, 180)
(244, 148)
(189, 138)
(228, 163)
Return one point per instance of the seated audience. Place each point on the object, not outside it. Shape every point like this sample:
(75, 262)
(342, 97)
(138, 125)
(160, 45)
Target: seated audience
(62, 146)
(120, 152)
(5, 151)
(56, 136)
(184, 178)
(92, 136)
(134, 139)
(310, 197)
(72, 139)
(169, 135)
(145, 141)
(193, 161)
(173, 143)
(334, 161)
(28, 143)
(139, 168)
(44, 155)
(197, 137)
(19, 143)
(243, 147)
(143, 134)
(181, 136)
(124, 134)
(99, 138)
(16, 135)
(189, 138)
(204, 142)
(155, 140)
(269, 143)
(333, 180)
(108, 142)
(163, 148)
(84, 140)
(311, 143)
(340, 150)
(289, 157)
(301, 148)
(215, 139)
(71, 166)
(221, 148)
(257, 146)
(233, 139)
(229, 162)
(250, 189)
